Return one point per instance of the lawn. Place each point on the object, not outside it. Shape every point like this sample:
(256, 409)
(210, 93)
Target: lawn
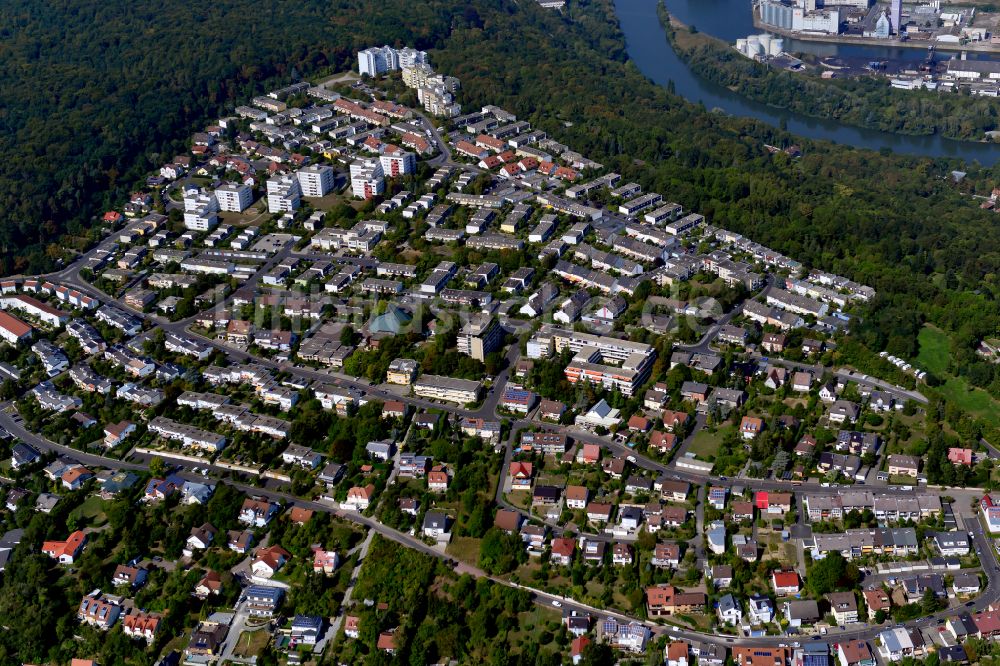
(91, 511)
(934, 350)
(706, 444)
(531, 624)
(465, 549)
(251, 643)
(934, 357)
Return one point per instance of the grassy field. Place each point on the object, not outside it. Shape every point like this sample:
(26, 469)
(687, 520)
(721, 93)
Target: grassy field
(531, 624)
(934, 354)
(706, 444)
(251, 643)
(465, 549)
(975, 401)
(934, 357)
(91, 511)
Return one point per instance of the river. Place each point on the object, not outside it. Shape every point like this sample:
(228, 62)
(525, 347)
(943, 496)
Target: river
(728, 19)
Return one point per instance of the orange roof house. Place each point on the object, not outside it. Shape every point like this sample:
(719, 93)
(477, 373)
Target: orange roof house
(785, 583)
(68, 550)
(751, 426)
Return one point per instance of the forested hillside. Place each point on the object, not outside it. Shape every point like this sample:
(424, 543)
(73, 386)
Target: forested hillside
(95, 94)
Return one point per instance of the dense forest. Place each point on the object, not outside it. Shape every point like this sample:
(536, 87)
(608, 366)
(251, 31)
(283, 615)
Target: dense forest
(94, 96)
(865, 102)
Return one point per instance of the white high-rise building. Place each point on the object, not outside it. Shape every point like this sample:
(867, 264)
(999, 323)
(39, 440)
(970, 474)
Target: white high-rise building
(411, 57)
(437, 100)
(381, 59)
(367, 178)
(377, 60)
(283, 194)
(315, 180)
(234, 197)
(397, 163)
(200, 210)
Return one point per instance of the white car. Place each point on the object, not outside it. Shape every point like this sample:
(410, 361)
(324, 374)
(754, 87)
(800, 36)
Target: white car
(631, 459)
(556, 603)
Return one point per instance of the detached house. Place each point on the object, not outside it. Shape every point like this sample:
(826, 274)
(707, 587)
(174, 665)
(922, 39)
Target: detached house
(562, 551)
(842, 411)
(785, 583)
(621, 554)
(663, 442)
(325, 561)
(801, 382)
(666, 555)
(268, 561)
(131, 576)
(729, 610)
(257, 513)
(774, 343)
(761, 609)
(674, 421)
(360, 498)
(751, 426)
(855, 653)
(66, 551)
(903, 465)
(843, 606)
(519, 474)
(200, 539)
(576, 497)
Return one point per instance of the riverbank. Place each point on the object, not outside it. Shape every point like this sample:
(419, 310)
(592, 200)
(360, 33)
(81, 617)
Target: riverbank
(867, 102)
(851, 40)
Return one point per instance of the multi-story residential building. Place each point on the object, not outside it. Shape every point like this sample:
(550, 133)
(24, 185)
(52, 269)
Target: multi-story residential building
(379, 60)
(263, 601)
(549, 443)
(43, 312)
(367, 178)
(610, 362)
(283, 194)
(12, 329)
(481, 335)
(761, 656)
(139, 624)
(402, 371)
(189, 436)
(666, 600)
(200, 210)
(886, 507)
(315, 180)
(899, 542)
(396, 162)
(843, 606)
(234, 197)
(447, 388)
